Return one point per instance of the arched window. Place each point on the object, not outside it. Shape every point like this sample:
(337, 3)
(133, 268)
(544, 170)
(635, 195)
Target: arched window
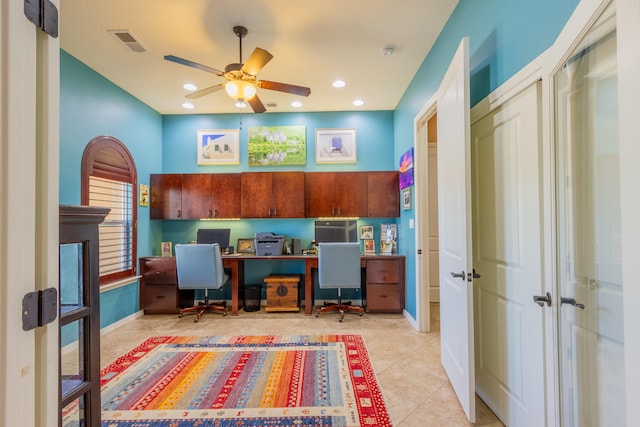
(109, 179)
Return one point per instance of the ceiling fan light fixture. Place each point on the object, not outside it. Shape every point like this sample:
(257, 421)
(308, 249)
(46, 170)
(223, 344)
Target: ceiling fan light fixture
(240, 90)
(241, 104)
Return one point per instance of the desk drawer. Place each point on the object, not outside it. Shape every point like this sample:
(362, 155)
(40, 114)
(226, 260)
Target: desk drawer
(383, 271)
(166, 299)
(159, 271)
(384, 298)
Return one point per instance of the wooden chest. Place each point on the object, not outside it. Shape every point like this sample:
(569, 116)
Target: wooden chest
(283, 292)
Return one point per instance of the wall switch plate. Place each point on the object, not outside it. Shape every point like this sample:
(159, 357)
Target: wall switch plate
(411, 224)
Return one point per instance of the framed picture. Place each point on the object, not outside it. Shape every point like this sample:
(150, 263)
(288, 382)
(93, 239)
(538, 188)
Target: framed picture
(144, 195)
(369, 246)
(336, 146)
(277, 145)
(246, 246)
(366, 232)
(405, 196)
(218, 147)
(406, 169)
(166, 249)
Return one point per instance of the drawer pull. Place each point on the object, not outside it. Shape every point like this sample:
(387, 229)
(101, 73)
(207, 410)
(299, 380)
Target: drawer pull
(161, 297)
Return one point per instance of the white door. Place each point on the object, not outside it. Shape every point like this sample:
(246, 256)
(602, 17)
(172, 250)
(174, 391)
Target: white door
(454, 216)
(589, 231)
(509, 345)
(29, 83)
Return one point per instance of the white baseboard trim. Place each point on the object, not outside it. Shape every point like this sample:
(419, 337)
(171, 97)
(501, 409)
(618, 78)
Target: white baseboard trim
(411, 320)
(115, 325)
(434, 295)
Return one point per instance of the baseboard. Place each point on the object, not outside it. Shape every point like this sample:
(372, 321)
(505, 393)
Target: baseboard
(115, 325)
(434, 294)
(411, 320)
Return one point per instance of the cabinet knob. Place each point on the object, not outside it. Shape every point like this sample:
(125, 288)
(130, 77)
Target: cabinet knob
(179, 213)
(210, 213)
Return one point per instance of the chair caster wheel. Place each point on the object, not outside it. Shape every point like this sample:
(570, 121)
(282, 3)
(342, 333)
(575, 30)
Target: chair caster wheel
(340, 320)
(317, 314)
(196, 319)
(360, 314)
(180, 316)
(224, 314)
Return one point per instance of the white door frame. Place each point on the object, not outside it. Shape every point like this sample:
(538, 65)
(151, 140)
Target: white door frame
(29, 150)
(628, 21)
(421, 199)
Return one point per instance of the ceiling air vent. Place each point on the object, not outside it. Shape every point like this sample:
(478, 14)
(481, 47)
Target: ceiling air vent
(130, 41)
(272, 105)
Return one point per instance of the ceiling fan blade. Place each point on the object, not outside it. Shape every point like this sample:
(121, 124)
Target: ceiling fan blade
(192, 64)
(257, 60)
(257, 105)
(284, 87)
(205, 91)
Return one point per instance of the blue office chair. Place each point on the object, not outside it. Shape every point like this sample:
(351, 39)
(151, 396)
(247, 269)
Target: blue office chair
(339, 267)
(199, 266)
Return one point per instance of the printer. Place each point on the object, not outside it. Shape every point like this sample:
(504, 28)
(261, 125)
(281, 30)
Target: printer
(268, 244)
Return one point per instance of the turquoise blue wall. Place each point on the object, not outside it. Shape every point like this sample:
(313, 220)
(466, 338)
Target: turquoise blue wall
(504, 36)
(91, 106)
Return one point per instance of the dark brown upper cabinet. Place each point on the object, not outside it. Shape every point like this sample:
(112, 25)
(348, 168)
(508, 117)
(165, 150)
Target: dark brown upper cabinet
(211, 196)
(335, 194)
(383, 194)
(166, 196)
(272, 195)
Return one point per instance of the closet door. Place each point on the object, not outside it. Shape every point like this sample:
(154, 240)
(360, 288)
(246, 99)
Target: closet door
(589, 229)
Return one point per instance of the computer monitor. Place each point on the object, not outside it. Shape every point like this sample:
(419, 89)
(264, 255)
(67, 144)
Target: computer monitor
(336, 231)
(214, 235)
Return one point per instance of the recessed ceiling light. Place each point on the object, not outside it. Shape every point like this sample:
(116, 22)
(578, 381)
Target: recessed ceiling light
(189, 86)
(339, 83)
(187, 105)
(241, 104)
(358, 102)
(296, 104)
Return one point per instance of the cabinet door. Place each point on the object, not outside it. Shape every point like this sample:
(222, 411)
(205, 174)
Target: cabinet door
(350, 194)
(166, 196)
(256, 197)
(225, 195)
(319, 194)
(288, 194)
(383, 194)
(196, 196)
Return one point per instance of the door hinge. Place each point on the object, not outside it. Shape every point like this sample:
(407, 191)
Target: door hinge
(44, 14)
(39, 308)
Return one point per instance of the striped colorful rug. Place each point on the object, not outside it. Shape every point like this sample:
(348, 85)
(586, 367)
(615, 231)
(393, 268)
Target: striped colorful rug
(324, 380)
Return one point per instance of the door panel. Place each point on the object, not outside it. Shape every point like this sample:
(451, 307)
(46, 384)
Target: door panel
(589, 263)
(454, 214)
(506, 231)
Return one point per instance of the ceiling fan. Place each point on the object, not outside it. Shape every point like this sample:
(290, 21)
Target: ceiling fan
(241, 78)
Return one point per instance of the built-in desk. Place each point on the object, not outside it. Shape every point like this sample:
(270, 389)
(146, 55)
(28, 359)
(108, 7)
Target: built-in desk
(384, 285)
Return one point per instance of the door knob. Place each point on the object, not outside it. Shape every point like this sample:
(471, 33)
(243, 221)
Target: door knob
(571, 301)
(541, 300)
(458, 275)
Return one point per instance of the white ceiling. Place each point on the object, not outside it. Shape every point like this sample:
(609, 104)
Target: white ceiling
(313, 42)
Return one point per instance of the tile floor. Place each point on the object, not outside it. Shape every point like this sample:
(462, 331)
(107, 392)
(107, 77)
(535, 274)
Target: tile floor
(406, 362)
